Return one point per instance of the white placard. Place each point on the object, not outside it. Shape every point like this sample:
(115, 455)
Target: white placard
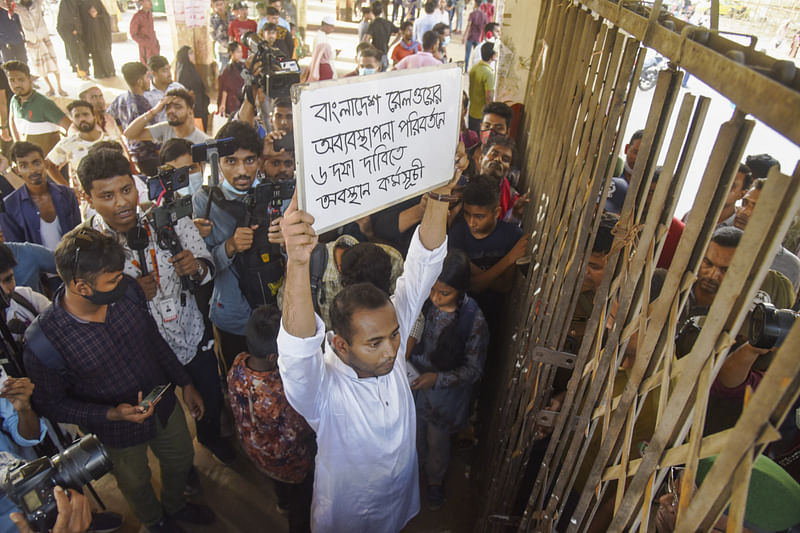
(366, 143)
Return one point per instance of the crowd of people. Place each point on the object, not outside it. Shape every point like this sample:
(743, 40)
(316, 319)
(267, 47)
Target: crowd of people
(347, 362)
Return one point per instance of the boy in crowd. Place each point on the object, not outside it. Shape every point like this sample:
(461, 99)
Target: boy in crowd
(24, 304)
(274, 436)
(231, 82)
(493, 246)
(239, 26)
(407, 45)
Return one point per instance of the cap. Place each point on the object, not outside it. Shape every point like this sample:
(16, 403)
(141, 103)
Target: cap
(329, 20)
(85, 86)
(616, 195)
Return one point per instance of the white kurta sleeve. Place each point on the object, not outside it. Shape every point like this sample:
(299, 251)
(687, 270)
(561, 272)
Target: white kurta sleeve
(302, 370)
(421, 268)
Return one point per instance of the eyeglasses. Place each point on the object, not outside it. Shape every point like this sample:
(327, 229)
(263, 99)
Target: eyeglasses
(83, 239)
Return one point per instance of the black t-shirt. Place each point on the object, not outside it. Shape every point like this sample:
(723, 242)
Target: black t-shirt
(381, 31)
(484, 253)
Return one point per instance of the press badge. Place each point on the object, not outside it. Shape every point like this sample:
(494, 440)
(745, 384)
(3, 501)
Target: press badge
(169, 311)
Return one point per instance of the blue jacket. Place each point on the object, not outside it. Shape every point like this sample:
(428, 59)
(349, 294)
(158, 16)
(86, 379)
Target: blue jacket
(229, 308)
(21, 221)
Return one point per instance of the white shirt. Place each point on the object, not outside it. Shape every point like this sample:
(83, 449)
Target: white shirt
(366, 477)
(51, 233)
(15, 310)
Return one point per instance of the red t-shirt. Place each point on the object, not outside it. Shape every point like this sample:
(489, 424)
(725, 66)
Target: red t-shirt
(400, 51)
(670, 243)
(488, 10)
(237, 28)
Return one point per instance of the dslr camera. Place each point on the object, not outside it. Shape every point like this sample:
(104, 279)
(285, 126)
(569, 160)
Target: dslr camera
(278, 74)
(264, 202)
(163, 185)
(30, 484)
(769, 326)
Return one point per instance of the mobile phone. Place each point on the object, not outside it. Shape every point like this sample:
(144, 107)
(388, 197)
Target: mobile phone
(155, 395)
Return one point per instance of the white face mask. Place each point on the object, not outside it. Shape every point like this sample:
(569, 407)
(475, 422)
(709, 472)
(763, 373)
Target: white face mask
(446, 41)
(363, 71)
(195, 182)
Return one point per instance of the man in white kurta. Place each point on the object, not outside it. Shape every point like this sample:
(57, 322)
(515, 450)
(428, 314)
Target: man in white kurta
(366, 476)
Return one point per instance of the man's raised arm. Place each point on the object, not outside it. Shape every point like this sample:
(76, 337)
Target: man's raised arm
(298, 307)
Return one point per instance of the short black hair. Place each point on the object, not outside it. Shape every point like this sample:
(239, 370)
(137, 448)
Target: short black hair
(7, 259)
(440, 27)
(173, 149)
(501, 110)
(605, 234)
(17, 66)
(500, 140)
(481, 191)
(372, 52)
(490, 26)
(282, 101)
(406, 24)
(85, 253)
(22, 148)
(351, 299)
(748, 176)
(366, 262)
(133, 72)
(487, 51)
(271, 12)
(366, 10)
(108, 145)
(102, 165)
(270, 26)
(761, 163)
(759, 184)
(727, 236)
(232, 46)
(638, 134)
(363, 45)
(244, 136)
(79, 103)
(430, 39)
(262, 329)
(183, 94)
(430, 6)
(377, 8)
(157, 63)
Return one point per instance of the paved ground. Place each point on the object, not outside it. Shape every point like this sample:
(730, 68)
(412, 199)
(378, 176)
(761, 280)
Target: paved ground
(242, 497)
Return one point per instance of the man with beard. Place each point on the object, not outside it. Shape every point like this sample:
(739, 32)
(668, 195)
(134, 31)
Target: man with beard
(179, 105)
(71, 149)
(498, 153)
(33, 116)
(40, 211)
(90, 92)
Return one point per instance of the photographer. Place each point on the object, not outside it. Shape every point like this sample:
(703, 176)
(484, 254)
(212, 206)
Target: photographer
(230, 237)
(113, 195)
(106, 355)
(74, 513)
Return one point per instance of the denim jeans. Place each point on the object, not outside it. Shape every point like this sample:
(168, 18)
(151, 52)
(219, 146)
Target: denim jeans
(433, 447)
(469, 46)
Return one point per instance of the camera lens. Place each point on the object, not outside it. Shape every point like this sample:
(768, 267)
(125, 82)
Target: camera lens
(769, 326)
(84, 461)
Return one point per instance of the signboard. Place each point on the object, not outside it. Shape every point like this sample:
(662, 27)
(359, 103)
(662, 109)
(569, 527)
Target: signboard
(365, 143)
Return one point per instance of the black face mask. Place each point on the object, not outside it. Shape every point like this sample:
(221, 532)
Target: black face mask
(108, 297)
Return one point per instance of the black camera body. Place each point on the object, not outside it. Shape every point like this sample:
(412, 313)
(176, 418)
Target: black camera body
(277, 77)
(165, 183)
(30, 484)
(769, 326)
(264, 202)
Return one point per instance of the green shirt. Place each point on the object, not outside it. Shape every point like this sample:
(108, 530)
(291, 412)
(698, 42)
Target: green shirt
(481, 80)
(37, 120)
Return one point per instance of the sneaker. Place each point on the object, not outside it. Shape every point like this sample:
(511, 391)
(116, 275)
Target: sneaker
(165, 526)
(192, 487)
(222, 450)
(194, 513)
(105, 522)
(435, 497)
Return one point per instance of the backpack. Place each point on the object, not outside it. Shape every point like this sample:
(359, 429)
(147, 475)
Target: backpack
(466, 317)
(40, 346)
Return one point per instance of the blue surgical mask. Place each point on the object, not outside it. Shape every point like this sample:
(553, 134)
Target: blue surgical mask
(231, 189)
(446, 41)
(195, 182)
(362, 71)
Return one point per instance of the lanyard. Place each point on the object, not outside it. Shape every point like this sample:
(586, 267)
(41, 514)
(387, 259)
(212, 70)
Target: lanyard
(152, 255)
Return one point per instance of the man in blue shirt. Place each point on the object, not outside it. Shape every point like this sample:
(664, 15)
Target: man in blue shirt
(41, 211)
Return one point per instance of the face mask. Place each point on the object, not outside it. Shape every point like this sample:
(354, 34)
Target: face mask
(362, 71)
(195, 182)
(446, 41)
(231, 189)
(108, 297)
